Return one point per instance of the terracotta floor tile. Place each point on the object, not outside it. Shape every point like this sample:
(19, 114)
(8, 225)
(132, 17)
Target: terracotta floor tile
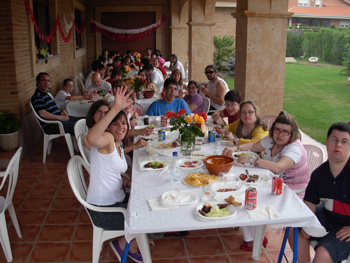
(204, 232)
(83, 233)
(275, 238)
(81, 251)
(83, 217)
(31, 172)
(65, 203)
(275, 253)
(232, 243)
(42, 192)
(62, 217)
(31, 217)
(56, 233)
(29, 233)
(25, 181)
(47, 181)
(20, 252)
(168, 247)
(36, 203)
(200, 246)
(247, 258)
(17, 203)
(210, 259)
(65, 190)
(66, 181)
(229, 231)
(21, 192)
(172, 260)
(54, 171)
(50, 252)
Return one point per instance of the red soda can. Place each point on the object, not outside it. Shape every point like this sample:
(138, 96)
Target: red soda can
(250, 198)
(277, 185)
(91, 96)
(163, 121)
(181, 93)
(95, 92)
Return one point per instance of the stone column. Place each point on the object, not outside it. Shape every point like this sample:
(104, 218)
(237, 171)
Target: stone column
(261, 30)
(201, 37)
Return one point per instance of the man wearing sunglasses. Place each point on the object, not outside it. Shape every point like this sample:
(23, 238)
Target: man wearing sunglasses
(216, 90)
(327, 195)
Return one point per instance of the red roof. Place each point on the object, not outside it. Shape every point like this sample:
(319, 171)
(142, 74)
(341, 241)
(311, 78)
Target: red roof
(332, 8)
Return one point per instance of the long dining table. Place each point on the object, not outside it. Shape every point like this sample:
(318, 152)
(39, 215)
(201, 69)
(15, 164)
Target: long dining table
(148, 185)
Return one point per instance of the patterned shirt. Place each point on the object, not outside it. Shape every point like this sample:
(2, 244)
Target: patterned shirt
(43, 101)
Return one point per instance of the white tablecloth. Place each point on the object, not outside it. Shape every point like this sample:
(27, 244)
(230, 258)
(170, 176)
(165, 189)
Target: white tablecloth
(77, 109)
(150, 185)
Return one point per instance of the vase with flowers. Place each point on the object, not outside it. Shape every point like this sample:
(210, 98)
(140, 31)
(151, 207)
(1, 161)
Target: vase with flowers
(137, 84)
(125, 69)
(189, 126)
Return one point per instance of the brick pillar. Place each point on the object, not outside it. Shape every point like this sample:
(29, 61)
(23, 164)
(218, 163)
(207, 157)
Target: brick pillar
(261, 35)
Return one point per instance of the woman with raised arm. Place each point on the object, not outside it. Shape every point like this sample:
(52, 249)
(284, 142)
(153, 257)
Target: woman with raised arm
(107, 163)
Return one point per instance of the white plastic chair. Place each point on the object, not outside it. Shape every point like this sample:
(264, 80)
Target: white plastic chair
(315, 156)
(80, 128)
(79, 87)
(100, 235)
(268, 120)
(49, 137)
(139, 108)
(82, 149)
(82, 78)
(206, 106)
(11, 175)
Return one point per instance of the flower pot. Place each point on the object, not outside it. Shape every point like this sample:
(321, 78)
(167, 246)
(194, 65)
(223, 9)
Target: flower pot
(9, 141)
(187, 144)
(148, 94)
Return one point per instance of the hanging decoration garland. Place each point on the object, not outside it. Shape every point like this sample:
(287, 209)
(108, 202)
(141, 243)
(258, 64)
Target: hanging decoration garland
(126, 35)
(48, 38)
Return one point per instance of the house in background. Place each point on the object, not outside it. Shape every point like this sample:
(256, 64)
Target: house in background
(320, 13)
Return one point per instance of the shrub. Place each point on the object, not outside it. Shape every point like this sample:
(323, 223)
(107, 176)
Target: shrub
(224, 48)
(9, 123)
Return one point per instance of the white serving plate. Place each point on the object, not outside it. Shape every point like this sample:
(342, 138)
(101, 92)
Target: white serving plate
(222, 185)
(142, 164)
(175, 197)
(230, 208)
(264, 178)
(197, 164)
(248, 153)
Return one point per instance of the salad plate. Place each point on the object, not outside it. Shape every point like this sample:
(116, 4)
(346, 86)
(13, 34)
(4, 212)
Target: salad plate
(230, 211)
(153, 165)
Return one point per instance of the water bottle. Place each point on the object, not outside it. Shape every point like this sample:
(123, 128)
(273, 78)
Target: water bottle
(217, 145)
(174, 170)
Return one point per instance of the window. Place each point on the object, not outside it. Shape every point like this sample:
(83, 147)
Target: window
(344, 24)
(318, 3)
(79, 39)
(325, 24)
(45, 15)
(303, 2)
(316, 23)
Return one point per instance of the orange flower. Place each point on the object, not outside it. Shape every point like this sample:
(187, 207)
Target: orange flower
(188, 119)
(201, 120)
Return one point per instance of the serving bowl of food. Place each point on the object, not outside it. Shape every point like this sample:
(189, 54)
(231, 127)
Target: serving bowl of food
(218, 163)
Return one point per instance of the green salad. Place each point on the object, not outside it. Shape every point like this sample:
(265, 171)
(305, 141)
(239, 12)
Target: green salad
(215, 211)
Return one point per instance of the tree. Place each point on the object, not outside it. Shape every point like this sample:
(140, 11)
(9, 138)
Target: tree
(224, 48)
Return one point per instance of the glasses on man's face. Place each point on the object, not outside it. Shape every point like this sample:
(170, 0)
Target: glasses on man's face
(283, 132)
(101, 112)
(209, 72)
(231, 105)
(248, 112)
(335, 140)
(45, 80)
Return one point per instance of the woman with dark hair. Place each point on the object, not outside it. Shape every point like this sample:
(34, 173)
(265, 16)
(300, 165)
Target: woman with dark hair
(194, 100)
(107, 163)
(233, 101)
(249, 128)
(96, 112)
(284, 155)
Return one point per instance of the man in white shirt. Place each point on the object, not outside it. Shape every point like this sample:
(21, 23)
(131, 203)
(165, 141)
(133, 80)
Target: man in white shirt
(155, 76)
(99, 84)
(176, 64)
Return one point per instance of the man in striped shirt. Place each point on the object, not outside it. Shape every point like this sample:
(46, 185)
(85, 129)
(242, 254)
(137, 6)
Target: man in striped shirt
(328, 196)
(46, 107)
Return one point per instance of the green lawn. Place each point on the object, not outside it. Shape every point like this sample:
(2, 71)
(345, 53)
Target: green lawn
(317, 96)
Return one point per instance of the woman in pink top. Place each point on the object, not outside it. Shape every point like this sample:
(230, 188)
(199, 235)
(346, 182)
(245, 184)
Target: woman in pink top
(284, 154)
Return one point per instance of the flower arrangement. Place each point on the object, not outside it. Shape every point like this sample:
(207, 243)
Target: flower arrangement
(125, 69)
(188, 125)
(137, 57)
(138, 84)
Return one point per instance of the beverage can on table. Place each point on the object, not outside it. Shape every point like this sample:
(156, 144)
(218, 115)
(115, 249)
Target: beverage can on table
(161, 135)
(211, 136)
(146, 121)
(91, 96)
(250, 198)
(181, 92)
(163, 121)
(94, 92)
(277, 185)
